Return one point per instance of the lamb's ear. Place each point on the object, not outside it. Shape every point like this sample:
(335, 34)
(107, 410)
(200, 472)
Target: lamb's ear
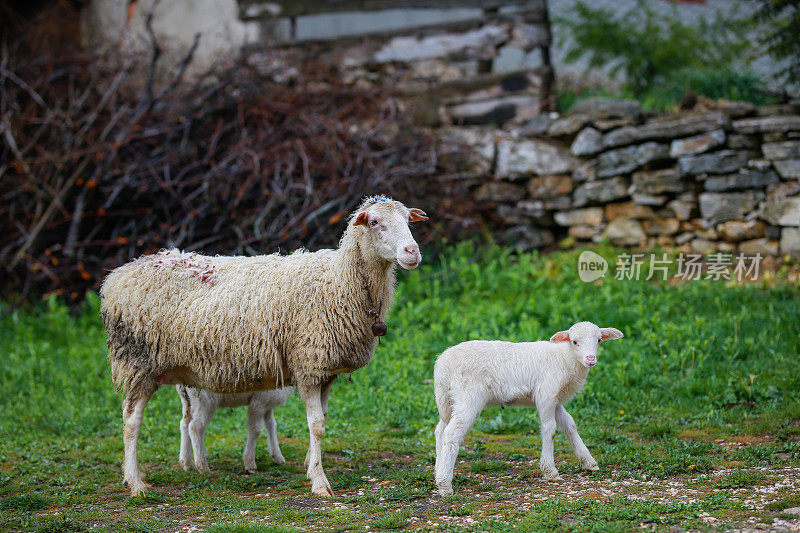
(610, 334)
(417, 214)
(561, 336)
(361, 219)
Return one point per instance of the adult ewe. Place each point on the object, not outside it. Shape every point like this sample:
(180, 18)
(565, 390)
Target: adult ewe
(242, 324)
(546, 375)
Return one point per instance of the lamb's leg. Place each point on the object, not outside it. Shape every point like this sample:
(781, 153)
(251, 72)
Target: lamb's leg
(547, 461)
(452, 437)
(316, 427)
(254, 418)
(132, 411)
(325, 394)
(272, 437)
(186, 443)
(197, 432)
(567, 425)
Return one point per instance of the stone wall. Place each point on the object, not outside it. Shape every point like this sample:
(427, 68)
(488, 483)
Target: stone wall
(722, 178)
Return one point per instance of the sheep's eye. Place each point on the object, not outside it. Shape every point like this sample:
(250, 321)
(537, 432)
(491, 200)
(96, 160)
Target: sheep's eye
(373, 223)
(575, 343)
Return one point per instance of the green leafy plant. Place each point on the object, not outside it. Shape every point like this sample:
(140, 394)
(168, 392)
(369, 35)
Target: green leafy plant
(661, 56)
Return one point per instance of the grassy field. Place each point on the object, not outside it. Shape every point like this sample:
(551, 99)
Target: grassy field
(694, 417)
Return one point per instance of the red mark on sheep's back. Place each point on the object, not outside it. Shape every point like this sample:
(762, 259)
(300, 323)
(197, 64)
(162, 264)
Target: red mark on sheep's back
(191, 262)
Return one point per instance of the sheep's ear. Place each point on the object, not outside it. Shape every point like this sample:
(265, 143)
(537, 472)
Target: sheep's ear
(361, 219)
(417, 214)
(610, 334)
(561, 336)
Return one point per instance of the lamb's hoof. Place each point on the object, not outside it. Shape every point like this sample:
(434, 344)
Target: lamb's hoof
(321, 487)
(138, 488)
(248, 470)
(444, 489)
(552, 476)
(279, 460)
(203, 469)
(591, 466)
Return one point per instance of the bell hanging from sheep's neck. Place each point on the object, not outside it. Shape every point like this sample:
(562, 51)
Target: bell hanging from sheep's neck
(379, 327)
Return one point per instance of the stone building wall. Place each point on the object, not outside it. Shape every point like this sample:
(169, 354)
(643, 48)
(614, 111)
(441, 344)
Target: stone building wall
(723, 178)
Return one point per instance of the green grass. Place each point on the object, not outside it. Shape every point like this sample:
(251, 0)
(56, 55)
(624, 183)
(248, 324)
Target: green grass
(705, 379)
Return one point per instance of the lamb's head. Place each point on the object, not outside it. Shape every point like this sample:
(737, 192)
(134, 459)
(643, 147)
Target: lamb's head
(584, 338)
(385, 223)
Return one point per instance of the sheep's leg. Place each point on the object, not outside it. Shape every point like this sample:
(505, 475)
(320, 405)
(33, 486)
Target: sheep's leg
(547, 461)
(567, 425)
(132, 412)
(254, 418)
(452, 437)
(316, 427)
(197, 432)
(186, 443)
(272, 437)
(325, 394)
(438, 434)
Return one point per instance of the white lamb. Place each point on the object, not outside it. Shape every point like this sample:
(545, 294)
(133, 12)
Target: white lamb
(471, 375)
(200, 405)
(244, 324)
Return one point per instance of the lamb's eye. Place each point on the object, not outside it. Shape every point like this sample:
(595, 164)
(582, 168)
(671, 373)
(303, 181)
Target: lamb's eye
(575, 343)
(373, 223)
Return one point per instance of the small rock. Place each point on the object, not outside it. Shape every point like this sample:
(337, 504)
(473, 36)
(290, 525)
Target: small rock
(591, 216)
(721, 207)
(537, 125)
(599, 108)
(701, 246)
(549, 186)
(781, 211)
(740, 141)
(567, 126)
(697, 144)
(788, 168)
(526, 157)
(583, 233)
(628, 210)
(722, 162)
(790, 243)
(657, 182)
(588, 142)
(585, 172)
(666, 129)
(682, 210)
(761, 246)
(792, 511)
(600, 191)
(744, 179)
(625, 232)
(648, 199)
(661, 226)
(781, 150)
(767, 124)
(525, 238)
(737, 230)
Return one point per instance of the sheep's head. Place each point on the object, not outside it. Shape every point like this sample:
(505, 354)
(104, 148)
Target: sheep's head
(385, 222)
(584, 338)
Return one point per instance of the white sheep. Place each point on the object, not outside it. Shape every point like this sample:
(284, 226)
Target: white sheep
(471, 375)
(199, 407)
(244, 324)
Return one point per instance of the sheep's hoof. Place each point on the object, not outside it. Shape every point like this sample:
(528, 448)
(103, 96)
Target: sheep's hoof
(139, 488)
(552, 476)
(248, 470)
(591, 466)
(203, 469)
(279, 459)
(321, 487)
(444, 489)
(186, 466)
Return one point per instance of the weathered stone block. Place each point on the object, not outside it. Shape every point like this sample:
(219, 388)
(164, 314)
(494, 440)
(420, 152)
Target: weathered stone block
(479, 143)
(625, 232)
(781, 150)
(499, 191)
(790, 241)
(722, 162)
(759, 246)
(649, 199)
(745, 179)
(721, 207)
(767, 124)
(739, 230)
(781, 211)
(788, 168)
(584, 233)
(628, 210)
(681, 209)
(476, 44)
(588, 142)
(526, 157)
(600, 191)
(666, 129)
(657, 182)
(697, 144)
(742, 141)
(549, 186)
(525, 238)
(492, 110)
(590, 216)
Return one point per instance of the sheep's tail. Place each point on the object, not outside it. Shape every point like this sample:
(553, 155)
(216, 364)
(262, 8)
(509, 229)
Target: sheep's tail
(441, 389)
